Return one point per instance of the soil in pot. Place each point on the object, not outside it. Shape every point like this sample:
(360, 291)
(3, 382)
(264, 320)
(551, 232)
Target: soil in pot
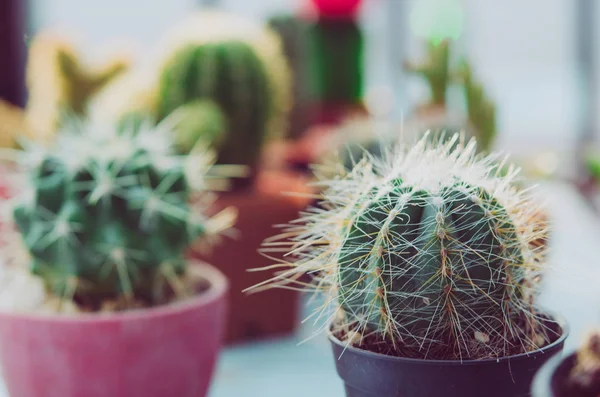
(180, 288)
(373, 374)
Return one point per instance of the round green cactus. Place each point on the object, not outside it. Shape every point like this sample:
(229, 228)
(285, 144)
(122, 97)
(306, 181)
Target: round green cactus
(430, 265)
(200, 122)
(237, 65)
(111, 208)
(337, 55)
(429, 248)
(235, 79)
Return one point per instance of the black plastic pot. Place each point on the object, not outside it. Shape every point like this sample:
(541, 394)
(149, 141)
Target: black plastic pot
(368, 374)
(550, 377)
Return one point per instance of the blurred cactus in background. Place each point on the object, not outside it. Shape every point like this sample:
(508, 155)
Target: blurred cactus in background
(337, 47)
(435, 70)
(427, 252)
(13, 123)
(584, 379)
(336, 57)
(59, 83)
(592, 163)
(437, 114)
(294, 33)
(240, 68)
(108, 214)
(200, 121)
(481, 111)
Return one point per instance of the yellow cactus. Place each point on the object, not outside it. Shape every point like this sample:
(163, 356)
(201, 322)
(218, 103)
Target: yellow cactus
(131, 92)
(59, 82)
(12, 124)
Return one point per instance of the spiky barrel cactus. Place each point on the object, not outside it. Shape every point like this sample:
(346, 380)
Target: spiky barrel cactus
(238, 66)
(109, 214)
(427, 249)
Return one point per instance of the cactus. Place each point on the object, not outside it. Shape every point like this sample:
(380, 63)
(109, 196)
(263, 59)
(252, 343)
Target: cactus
(427, 251)
(112, 223)
(241, 69)
(436, 70)
(584, 379)
(294, 34)
(59, 84)
(13, 123)
(481, 111)
(337, 52)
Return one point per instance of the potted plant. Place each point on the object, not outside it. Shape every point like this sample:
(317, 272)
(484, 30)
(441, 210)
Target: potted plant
(576, 375)
(293, 31)
(437, 114)
(98, 296)
(336, 60)
(226, 81)
(427, 263)
(60, 83)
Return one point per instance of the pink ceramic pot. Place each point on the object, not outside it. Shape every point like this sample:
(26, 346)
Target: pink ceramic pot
(168, 351)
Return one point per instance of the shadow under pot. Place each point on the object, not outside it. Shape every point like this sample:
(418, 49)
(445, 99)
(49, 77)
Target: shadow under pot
(368, 374)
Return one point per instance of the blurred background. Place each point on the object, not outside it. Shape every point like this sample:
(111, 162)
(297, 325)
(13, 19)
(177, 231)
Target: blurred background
(537, 61)
(535, 58)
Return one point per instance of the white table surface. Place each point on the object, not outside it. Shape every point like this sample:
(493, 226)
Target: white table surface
(283, 367)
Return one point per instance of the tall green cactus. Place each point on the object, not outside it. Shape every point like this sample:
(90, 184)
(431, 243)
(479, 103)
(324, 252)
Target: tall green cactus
(110, 210)
(294, 33)
(481, 111)
(436, 70)
(430, 249)
(232, 76)
(337, 57)
(237, 65)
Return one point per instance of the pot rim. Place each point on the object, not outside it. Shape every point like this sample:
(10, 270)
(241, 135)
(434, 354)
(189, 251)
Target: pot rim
(218, 287)
(542, 382)
(562, 323)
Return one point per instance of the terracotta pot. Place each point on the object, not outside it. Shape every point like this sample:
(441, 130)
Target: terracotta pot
(160, 352)
(268, 313)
